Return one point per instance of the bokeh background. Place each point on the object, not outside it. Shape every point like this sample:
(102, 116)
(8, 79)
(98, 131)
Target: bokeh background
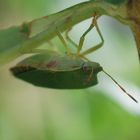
(102, 112)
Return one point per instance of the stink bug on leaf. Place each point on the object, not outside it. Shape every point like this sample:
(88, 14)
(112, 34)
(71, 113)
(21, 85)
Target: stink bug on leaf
(69, 71)
(56, 71)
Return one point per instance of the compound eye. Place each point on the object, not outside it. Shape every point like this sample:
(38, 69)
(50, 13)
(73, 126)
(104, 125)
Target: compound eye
(86, 67)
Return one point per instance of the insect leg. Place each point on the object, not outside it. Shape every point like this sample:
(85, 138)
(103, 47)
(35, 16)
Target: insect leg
(69, 38)
(94, 48)
(82, 38)
(63, 41)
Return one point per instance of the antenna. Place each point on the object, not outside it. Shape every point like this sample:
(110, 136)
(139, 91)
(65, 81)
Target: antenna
(121, 87)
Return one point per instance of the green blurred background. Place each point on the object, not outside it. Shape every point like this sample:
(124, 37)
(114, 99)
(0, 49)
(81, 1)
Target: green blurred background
(99, 113)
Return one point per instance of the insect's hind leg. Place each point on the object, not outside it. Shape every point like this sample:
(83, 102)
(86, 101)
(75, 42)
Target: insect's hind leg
(69, 38)
(94, 48)
(63, 42)
(82, 38)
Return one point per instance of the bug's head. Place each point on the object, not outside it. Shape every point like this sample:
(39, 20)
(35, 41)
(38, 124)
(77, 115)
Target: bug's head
(92, 66)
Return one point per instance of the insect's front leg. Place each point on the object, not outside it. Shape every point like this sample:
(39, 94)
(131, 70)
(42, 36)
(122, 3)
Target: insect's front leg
(82, 38)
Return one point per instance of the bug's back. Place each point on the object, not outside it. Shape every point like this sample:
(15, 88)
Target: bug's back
(57, 71)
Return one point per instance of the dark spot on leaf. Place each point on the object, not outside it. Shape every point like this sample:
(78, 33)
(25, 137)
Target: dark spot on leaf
(68, 19)
(45, 17)
(25, 29)
(130, 3)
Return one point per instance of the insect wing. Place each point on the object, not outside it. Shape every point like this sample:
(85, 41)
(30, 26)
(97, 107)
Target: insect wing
(51, 61)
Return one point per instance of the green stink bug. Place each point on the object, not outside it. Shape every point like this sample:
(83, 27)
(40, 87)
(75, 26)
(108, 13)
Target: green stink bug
(57, 71)
(71, 71)
(50, 69)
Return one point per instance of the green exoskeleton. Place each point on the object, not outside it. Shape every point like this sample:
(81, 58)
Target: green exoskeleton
(57, 71)
(72, 70)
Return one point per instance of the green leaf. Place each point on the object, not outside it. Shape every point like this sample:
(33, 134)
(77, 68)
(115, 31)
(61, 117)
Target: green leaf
(11, 37)
(9, 43)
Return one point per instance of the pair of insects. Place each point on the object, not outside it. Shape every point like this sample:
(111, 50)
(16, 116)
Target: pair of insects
(58, 71)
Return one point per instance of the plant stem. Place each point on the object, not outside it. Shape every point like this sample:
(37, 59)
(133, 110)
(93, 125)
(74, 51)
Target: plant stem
(43, 29)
